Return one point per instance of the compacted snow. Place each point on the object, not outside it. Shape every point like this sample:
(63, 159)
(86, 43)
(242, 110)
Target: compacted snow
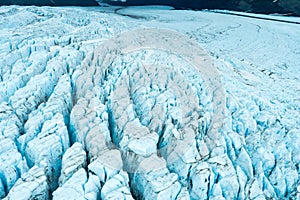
(148, 103)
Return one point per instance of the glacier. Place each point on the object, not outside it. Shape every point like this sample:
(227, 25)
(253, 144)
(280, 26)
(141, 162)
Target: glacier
(148, 103)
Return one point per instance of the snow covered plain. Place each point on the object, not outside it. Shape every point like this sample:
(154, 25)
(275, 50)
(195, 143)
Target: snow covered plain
(147, 103)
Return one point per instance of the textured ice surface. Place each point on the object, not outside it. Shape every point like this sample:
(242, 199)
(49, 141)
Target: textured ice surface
(124, 103)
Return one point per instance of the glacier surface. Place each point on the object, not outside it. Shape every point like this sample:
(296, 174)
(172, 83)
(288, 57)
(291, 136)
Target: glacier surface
(148, 103)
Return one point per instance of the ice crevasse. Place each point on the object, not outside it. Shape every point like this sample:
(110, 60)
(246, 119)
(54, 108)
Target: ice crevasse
(92, 107)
